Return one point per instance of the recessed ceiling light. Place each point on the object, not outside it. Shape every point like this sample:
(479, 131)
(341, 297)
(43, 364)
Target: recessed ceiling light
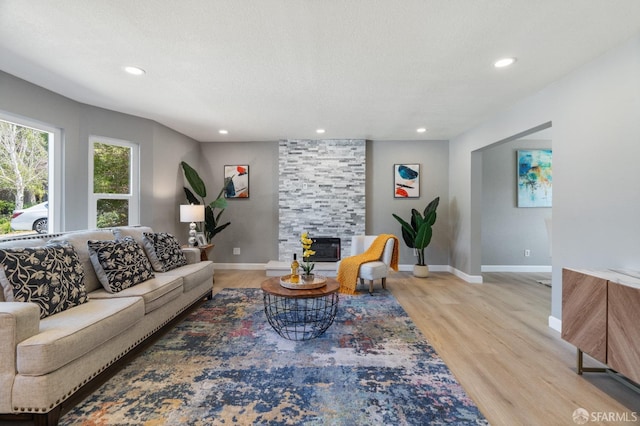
(134, 70)
(320, 131)
(421, 130)
(504, 62)
(223, 132)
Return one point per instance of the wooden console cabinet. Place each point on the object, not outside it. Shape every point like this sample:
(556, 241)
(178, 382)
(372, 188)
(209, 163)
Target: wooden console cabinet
(601, 317)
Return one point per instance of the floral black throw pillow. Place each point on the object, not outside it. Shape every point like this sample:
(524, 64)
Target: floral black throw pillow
(50, 276)
(119, 264)
(164, 251)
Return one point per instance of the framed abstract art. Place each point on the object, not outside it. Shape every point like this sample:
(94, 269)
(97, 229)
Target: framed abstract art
(238, 186)
(406, 180)
(535, 180)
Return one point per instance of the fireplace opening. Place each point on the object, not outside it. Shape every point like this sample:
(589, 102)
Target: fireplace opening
(327, 249)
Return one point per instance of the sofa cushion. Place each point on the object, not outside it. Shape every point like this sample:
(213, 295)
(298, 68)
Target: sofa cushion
(135, 232)
(192, 274)
(163, 251)
(50, 276)
(71, 334)
(373, 270)
(79, 240)
(151, 291)
(119, 264)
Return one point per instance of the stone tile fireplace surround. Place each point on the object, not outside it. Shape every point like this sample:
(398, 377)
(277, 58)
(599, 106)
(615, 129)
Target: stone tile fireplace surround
(321, 190)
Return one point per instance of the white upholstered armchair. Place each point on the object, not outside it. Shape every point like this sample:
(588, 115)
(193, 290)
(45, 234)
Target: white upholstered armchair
(377, 269)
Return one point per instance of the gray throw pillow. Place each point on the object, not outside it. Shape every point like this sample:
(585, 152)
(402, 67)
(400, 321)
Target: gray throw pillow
(50, 276)
(164, 251)
(119, 264)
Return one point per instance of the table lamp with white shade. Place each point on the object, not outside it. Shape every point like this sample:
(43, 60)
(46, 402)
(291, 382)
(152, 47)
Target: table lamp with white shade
(192, 213)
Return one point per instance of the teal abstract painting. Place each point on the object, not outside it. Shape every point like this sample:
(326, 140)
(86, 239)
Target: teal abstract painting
(535, 179)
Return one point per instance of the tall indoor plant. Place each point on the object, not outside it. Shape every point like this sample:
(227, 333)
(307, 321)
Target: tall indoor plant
(213, 210)
(417, 234)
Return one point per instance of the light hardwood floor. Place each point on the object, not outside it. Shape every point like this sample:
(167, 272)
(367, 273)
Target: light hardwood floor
(495, 339)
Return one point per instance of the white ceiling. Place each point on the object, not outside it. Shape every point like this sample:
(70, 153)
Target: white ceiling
(273, 69)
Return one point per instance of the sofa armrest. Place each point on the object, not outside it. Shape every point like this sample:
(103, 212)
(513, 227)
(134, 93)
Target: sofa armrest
(18, 321)
(192, 254)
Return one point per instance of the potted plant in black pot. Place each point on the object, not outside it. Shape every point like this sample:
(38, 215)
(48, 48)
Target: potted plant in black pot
(417, 234)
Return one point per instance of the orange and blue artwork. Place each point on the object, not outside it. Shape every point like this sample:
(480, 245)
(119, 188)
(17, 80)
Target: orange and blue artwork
(406, 180)
(237, 181)
(535, 180)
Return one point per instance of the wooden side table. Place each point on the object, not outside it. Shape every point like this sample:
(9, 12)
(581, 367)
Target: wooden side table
(300, 314)
(204, 251)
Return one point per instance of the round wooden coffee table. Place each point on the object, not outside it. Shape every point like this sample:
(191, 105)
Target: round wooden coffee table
(300, 314)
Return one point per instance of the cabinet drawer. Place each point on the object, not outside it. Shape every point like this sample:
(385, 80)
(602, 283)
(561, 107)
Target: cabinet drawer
(623, 339)
(584, 313)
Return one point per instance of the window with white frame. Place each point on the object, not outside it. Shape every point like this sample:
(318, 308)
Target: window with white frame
(114, 168)
(30, 175)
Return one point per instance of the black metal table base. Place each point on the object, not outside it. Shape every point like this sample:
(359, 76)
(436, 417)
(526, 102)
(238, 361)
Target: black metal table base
(300, 318)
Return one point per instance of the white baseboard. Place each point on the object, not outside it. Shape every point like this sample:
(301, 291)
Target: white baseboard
(515, 268)
(472, 279)
(555, 323)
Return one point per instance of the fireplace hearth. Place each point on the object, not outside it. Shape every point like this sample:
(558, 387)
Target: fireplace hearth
(327, 249)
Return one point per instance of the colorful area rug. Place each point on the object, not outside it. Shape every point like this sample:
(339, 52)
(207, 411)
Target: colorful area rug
(225, 365)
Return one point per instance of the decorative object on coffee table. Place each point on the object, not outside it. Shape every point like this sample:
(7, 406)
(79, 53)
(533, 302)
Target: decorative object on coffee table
(307, 266)
(312, 281)
(300, 314)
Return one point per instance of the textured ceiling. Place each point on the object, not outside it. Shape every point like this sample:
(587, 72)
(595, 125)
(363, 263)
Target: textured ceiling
(267, 69)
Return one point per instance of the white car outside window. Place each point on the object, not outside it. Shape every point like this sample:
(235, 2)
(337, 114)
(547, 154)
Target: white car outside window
(35, 218)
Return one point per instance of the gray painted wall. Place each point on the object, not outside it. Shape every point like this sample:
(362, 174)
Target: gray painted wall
(170, 148)
(596, 129)
(433, 157)
(506, 229)
(254, 222)
(161, 150)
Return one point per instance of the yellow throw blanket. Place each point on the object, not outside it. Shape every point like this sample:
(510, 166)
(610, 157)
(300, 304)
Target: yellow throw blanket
(350, 266)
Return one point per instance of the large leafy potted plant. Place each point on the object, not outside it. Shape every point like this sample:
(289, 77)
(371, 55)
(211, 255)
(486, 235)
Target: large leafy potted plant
(417, 234)
(213, 210)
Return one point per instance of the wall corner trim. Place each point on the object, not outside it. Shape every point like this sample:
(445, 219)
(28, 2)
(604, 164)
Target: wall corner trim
(472, 279)
(555, 323)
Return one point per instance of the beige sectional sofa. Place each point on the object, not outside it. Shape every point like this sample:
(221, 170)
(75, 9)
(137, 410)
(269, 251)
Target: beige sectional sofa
(46, 360)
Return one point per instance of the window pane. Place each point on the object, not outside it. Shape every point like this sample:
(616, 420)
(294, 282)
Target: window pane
(111, 165)
(24, 178)
(112, 213)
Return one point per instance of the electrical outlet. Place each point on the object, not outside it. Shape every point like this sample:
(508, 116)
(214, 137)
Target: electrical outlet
(527, 253)
(236, 250)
